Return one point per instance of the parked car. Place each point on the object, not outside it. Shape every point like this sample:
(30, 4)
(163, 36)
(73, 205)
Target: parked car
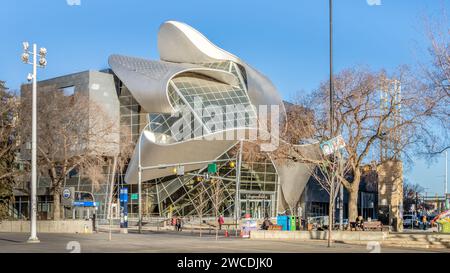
(410, 220)
(319, 222)
(344, 223)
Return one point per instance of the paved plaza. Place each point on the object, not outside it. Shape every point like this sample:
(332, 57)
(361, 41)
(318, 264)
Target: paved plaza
(172, 242)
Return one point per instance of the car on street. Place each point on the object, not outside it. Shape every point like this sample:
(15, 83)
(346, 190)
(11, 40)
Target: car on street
(410, 221)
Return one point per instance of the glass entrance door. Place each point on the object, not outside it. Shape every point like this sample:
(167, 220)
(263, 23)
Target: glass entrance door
(258, 208)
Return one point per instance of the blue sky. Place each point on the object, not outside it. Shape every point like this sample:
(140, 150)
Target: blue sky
(286, 40)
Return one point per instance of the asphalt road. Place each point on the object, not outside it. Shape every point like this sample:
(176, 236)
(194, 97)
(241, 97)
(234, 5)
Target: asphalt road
(171, 242)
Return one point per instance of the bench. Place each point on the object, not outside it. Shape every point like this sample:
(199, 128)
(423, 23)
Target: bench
(373, 225)
(275, 227)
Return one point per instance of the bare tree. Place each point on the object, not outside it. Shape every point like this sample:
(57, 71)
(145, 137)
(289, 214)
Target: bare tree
(74, 134)
(217, 193)
(365, 119)
(398, 119)
(411, 194)
(436, 75)
(201, 202)
(325, 172)
(8, 147)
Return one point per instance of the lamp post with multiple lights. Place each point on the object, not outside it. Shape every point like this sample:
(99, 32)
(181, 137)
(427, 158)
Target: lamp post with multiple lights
(42, 63)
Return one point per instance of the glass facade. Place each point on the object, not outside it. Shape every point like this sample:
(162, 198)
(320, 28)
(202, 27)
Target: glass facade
(215, 105)
(189, 195)
(180, 195)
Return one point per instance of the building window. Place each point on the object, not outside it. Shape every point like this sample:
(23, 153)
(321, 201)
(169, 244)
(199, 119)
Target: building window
(68, 90)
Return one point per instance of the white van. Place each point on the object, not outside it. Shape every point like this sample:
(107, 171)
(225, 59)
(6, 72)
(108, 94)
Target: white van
(409, 220)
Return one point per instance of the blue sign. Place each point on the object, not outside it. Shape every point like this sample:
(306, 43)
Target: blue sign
(123, 195)
(85, 204)
(123, 207)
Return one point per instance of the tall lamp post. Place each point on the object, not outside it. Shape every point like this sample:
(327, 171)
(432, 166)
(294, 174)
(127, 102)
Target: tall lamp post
(42, 63)
(446, 176)
(341, 187)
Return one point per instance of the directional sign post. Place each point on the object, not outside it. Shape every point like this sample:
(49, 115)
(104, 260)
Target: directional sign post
(68, 196)
(124, 210)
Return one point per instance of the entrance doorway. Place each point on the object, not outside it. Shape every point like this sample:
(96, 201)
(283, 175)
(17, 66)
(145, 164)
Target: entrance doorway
(257, 206)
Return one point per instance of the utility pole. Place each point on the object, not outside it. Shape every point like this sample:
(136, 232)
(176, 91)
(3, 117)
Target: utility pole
(237, 202)
(446, 175)
(341, 187)
(42, 63)
(446, 201)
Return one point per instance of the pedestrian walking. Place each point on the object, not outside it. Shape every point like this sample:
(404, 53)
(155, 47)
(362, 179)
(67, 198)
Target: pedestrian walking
(424, 222)
(221, 221)
(178, 224)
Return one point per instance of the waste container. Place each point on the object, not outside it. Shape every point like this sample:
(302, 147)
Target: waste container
(292, 223)
(283, 221)
(445, 226)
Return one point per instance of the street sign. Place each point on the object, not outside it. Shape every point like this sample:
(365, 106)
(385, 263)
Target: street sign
(85, 204)
(123, 207)
(68, 196)
(333, 145)
(134, 196)
(212, 168)
(123, 194)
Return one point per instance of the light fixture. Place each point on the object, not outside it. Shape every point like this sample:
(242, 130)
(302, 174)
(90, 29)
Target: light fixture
(43, 51)
(25, 57)
(25, 45)
(29, 77)
(42, 61)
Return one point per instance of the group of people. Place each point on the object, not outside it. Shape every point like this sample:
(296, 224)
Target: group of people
(266, 224)
(178, 223)
(360, 222)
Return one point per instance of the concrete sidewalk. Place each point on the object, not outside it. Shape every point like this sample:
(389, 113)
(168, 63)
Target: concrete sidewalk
(171, 242)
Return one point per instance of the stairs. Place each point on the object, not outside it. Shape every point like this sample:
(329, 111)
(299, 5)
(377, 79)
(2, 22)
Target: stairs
(417, 240)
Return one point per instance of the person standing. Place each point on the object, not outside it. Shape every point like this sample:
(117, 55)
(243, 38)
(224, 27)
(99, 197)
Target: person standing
(424, 222)
(178, 224)
(94, 221)
(174, 223)
(221, 221)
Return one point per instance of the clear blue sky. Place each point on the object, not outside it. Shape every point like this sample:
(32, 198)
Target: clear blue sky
(286, 40)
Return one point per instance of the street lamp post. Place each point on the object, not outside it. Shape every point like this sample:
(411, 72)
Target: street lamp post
(446, 176)
(341, 187)
(42, 63)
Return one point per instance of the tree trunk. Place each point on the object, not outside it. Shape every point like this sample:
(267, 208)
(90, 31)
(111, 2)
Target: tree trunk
(352, 205)
(330, 222)
(56, 205)
(201, 225)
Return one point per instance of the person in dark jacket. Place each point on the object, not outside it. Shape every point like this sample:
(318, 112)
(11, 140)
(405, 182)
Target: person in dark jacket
(266, 224)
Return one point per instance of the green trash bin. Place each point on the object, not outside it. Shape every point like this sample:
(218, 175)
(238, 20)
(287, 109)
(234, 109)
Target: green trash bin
(445, 226)
(292, 223)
